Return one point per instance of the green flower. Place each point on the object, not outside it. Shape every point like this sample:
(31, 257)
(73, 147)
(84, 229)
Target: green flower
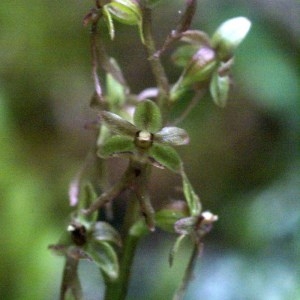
(196, 227)
(84, 238)
(209, 60)
(144, 140)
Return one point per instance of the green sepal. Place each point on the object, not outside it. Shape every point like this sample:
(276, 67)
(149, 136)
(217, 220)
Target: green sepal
(172, 135)
(147, 116)
(191, 197)
(105, 257)
(166, 218)
(196, 37)
(117, 124)
(139, 229)
(219, 89)
(175, 248)
(229, 35)
(87, 197)
(183, 54)
(115, 91)
(125, 11)
(116, 144)
(166, 156)
(103, 231)
(110, 23)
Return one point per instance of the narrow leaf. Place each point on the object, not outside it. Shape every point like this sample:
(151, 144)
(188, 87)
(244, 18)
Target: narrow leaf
(147, 116)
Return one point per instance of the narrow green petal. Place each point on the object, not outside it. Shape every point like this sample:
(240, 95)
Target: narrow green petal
(103, 231)
(147, 116)
(117, 124)
(219, 89)
(166, 156)
(172, 135)
(191, 197)
(116, 144)
(175, 248)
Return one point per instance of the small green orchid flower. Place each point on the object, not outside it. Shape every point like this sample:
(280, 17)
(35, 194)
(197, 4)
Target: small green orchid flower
(84, 238)
(196, 227)
(209, 60)
(144, 140)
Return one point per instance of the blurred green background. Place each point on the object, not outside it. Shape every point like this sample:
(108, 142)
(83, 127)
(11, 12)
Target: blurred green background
(243, 160)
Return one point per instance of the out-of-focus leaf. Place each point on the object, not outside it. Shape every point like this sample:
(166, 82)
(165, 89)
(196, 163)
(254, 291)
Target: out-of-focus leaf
(147, 116)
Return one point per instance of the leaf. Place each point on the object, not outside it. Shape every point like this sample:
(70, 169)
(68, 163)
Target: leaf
(191, 197)
(147, 116)
(117, 124)
(105, 257)
(103, 231)
(116, 144)
(172, 135)
(219, 89)
(166, 156)
(175, 248)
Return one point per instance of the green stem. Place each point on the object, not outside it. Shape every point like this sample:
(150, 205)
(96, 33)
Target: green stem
(156, 65)
(180, 293)
(117, 290)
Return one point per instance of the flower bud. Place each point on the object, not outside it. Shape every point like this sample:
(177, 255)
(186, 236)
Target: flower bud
(199, 69)
(229, 35)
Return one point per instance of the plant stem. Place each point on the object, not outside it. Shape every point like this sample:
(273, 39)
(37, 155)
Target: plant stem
(156, 65)
(180, 293)
(117, 290)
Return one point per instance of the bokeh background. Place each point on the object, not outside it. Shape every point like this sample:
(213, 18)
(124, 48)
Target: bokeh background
(243, 160)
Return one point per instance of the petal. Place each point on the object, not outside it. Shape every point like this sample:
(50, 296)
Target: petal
(219, 89)
(117, 124)
(103, 231)
(116, 144)
(191, 197)
(147, 116)
(105, 257)
(166, 156)
(172, 135)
